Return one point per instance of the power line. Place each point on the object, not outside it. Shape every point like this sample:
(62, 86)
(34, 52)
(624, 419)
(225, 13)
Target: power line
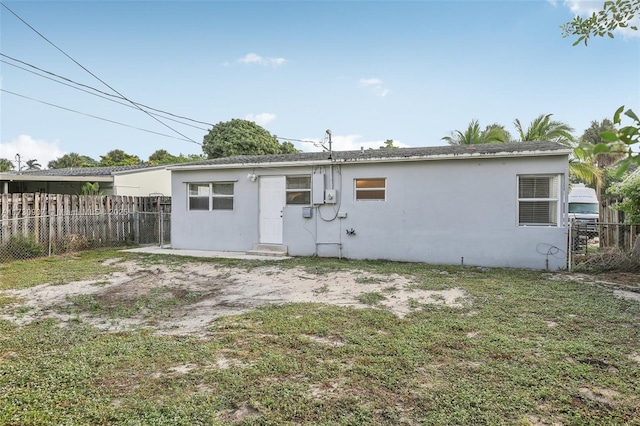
(98, 118)
(91, 93)
(95, 76)
(93, 88)
(110, 95)
(297, 140)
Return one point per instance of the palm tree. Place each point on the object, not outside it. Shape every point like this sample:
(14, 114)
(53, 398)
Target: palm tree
(543, 128)
(474, 135)
(32, 165)
(496, 133)
(582, 166)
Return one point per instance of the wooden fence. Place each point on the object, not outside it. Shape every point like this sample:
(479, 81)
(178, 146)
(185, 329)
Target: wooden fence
(611, 231)
(56, 219)
(14, 206)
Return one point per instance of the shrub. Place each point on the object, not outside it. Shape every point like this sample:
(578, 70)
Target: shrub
(21, 247)
(75, 242)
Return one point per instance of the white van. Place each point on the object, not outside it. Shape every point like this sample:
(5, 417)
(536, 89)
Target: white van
(584, 206)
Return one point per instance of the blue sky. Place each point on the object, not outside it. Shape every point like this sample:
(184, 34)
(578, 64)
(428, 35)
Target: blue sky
(411, 71)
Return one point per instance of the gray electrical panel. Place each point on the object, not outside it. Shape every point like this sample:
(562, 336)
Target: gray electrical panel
(317, 188)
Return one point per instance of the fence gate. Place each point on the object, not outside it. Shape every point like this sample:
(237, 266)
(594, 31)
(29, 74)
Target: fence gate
(603, 246)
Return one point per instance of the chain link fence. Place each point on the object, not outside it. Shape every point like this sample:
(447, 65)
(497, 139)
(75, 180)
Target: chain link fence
(601, 247)
(38, 236)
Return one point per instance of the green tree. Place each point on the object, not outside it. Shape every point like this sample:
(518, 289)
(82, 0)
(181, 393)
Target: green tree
(72, 159)
(613, 15)
(242, 137)
(388, 144)
(629, 189)
(6, 165)
(473, 134)
(162, 156)
(91, 189)
(543, 128)
(118, 157)
(32, 165)
(621, 141)
(592, 134)
(592, 138)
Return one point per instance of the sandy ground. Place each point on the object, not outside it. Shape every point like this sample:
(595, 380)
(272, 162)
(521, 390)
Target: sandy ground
(204, 292)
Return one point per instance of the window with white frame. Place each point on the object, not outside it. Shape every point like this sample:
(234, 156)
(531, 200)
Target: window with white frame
(371, 189)
(208, 196)
(299, 190)
(539, 200)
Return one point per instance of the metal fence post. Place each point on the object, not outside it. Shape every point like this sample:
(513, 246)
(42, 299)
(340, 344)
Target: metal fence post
(50, 232)
(570, 257)
(136, 224)
(161, 229)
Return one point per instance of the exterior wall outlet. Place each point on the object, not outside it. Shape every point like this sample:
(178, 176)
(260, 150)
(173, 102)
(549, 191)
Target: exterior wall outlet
(342, 215)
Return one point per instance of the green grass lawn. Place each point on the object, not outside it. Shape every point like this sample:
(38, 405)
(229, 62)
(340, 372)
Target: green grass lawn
(525, 349)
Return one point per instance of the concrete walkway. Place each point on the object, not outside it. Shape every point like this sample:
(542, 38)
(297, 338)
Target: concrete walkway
(167, 250)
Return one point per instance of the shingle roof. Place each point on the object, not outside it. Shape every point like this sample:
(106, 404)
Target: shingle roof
(81, 171)
(498, 149)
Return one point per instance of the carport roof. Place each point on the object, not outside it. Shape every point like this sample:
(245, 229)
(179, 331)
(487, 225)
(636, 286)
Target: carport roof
(101, 174)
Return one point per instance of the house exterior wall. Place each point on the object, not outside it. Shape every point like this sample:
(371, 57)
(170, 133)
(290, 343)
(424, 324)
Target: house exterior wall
(142, 183)
(437, 211)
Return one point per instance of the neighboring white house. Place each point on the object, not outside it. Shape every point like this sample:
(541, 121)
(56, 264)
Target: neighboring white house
(140, 181)
(155, 180)
(490, 205)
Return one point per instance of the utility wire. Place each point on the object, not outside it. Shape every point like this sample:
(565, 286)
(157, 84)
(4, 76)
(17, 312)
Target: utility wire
(94, 94)
(94, 89)
(98, 118)
(96, 77)
(110, 95)
(297, 140)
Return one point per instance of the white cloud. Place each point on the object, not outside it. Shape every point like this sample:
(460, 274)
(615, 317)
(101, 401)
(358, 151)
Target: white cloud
(581, 7)
(374, 85)
(261, 119)
(347, 143)
(370, 82)
(30, 149)
(252, 58)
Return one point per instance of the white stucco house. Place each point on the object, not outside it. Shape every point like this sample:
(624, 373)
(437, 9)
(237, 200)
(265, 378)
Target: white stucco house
(502, 205)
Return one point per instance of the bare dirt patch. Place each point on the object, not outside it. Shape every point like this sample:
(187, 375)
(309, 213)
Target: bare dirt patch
(624, 284)
(186, 299)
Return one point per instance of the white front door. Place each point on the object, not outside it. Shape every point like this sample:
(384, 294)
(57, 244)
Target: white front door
(271, 202)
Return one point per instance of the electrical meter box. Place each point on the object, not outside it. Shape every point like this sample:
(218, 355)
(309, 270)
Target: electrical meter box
(317, 189)
(331, 196)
